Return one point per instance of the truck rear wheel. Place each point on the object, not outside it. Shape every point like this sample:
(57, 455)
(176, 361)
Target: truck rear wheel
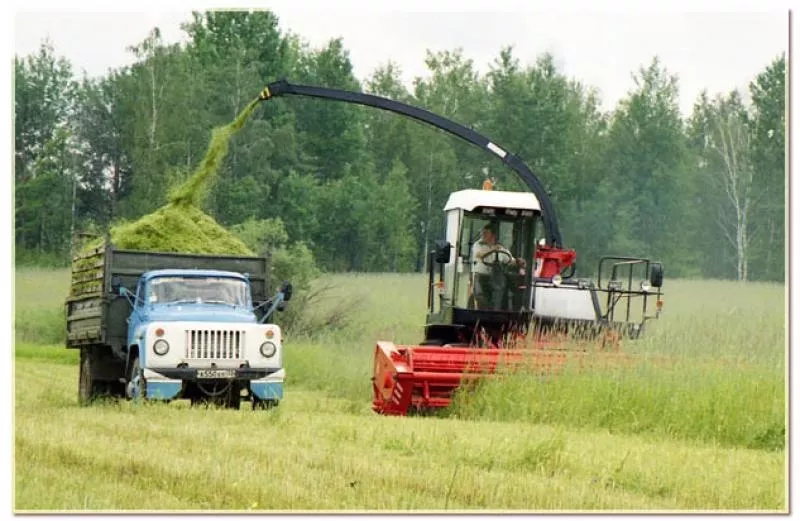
(89, 389)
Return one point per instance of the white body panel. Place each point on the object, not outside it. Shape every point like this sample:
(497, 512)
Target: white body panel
(470, 199)
(230, 345)
(564, 302)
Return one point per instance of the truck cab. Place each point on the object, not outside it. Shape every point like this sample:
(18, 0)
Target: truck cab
(194, 334)
(167, 326)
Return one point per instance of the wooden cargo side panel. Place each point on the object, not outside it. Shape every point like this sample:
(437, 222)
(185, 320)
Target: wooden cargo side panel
(85, 304)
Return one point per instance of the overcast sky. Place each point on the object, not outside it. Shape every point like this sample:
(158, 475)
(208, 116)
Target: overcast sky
(717, 51)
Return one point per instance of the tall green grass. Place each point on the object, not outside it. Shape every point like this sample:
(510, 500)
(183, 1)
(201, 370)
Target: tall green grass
(728, 406)
(725, 383)
(39, 313)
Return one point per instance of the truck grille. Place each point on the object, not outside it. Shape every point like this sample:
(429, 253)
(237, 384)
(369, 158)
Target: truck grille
(214, 344)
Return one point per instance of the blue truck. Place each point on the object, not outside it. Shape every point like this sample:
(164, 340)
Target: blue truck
(167, 326)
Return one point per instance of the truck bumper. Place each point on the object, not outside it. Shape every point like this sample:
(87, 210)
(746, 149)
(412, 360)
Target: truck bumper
(190, 374)
(167, 383)
(163, 390)
(160, 387)
(270, 387)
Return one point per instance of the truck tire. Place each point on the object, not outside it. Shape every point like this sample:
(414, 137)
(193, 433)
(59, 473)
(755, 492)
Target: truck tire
(135, 378)
(88, 388)
(96, 371)
(263, 405)
(233, 399)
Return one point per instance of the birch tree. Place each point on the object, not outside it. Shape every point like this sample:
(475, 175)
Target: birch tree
(730, 173)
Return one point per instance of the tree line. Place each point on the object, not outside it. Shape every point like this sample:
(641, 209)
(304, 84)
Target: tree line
(363, 189)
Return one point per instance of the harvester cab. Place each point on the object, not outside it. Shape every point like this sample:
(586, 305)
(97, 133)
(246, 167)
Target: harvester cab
(494, 277)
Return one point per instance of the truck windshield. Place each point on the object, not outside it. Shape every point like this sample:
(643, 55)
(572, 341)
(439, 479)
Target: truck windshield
(209, 290)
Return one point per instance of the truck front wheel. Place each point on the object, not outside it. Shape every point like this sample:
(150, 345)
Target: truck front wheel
(261, 405)
(233, 399)
(136, 386)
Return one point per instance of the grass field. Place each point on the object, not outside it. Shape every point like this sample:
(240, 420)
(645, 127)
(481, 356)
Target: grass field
(707, 433)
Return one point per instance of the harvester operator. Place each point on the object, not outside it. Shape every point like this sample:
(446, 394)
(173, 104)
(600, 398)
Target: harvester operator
(487, 287)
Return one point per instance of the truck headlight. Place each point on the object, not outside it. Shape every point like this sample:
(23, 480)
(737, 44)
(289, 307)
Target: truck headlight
(268, 349)
(161, 347)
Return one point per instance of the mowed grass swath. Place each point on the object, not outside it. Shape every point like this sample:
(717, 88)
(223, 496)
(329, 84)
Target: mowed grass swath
(704, 433)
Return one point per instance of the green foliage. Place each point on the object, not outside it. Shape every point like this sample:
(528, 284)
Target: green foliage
(25, 258)
(44, 96)
(263, 235)
(180, 226)
(331, 132)
(768, 142)
(363, 189)
(292, 262)
(646, 157)
(45, 163)
(288, 262)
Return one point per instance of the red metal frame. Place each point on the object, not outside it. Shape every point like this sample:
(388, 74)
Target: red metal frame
(554, 260)
(425, 377)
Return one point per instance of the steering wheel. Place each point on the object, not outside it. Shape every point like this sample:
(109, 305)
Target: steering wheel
(496, 254)
(497, 277)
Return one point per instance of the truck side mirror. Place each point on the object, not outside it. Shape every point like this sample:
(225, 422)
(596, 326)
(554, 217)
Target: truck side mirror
(286, 289)
(656, 274)
(442, 251)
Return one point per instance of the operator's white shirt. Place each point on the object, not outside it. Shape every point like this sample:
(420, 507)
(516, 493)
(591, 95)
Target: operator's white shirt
(479, 248)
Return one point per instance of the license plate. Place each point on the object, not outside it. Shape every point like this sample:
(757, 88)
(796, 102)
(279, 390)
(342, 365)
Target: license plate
(216, 373)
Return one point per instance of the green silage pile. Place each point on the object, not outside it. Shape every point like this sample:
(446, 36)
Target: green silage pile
(180, 226)
(180, 229)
